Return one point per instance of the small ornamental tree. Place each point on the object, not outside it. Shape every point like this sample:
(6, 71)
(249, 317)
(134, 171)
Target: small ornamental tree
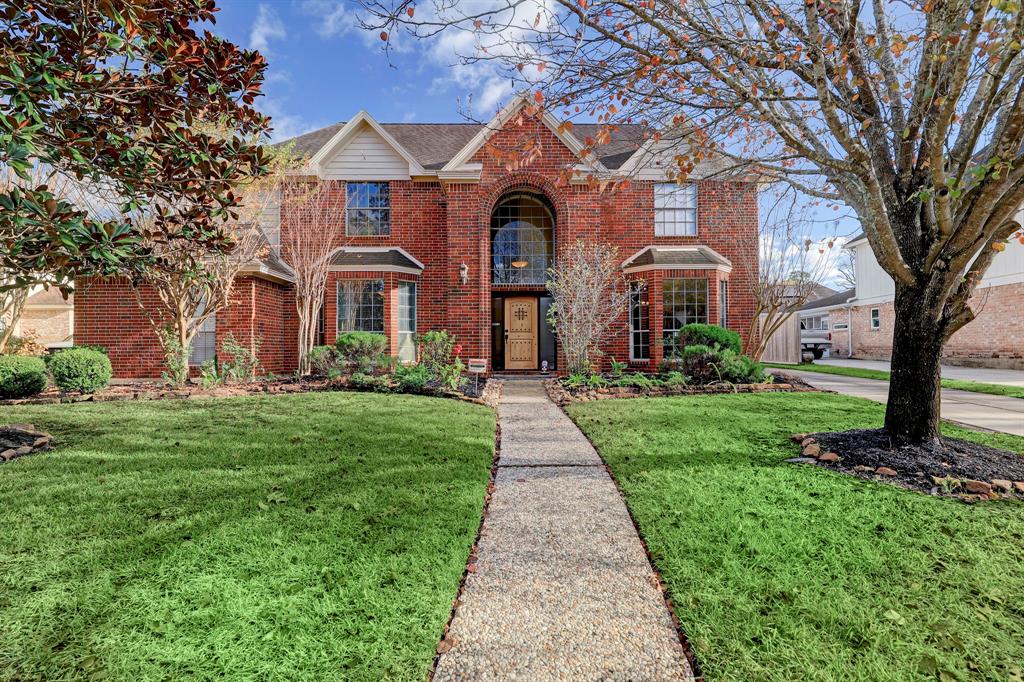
(312, 229)
(589, 296)
(108, 93)
(911, 114)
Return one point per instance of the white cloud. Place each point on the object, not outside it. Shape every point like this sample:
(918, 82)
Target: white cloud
(409, 117)
(267, 26)
(286, 125)
(453, 51)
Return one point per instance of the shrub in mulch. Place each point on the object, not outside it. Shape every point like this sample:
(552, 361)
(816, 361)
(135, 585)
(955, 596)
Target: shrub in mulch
(952, 467)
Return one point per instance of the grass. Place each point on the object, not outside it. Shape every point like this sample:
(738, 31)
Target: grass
(791, 572)
(311, 537)
(882, 375)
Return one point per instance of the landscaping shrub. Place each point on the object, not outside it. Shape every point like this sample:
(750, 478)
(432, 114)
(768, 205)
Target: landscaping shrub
(322, 359)
(362, 351)
(411, 378)
(637, 380)
(27, 345)
(80, 369)
(740, 369)
(242, 363)
(21, 376)
(708, 335)
(700, 363)
(368, 382)
(435, 350)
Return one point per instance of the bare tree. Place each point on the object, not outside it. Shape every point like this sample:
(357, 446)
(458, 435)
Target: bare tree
(911, 114)
(12, 305)
(194, 281)
(846, 269)
(792, 266)
(312, 230)
(589, 295)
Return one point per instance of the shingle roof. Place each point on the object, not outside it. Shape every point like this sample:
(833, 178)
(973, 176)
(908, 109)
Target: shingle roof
(374, 259)
(435, 144)
(830, 301)
(668, 257)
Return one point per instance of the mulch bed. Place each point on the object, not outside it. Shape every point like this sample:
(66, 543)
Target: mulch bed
(793, 380)
(486, 393)
(953, 467)
(561, 394)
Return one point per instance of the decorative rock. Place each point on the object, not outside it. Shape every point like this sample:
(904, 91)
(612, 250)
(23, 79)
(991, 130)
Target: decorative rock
(8, 454)
(828, 457)
(1002, 484)
(807, 441)
(885, 471)
(18, 440)
(798, 437)
(812, 450)
(977, 487)
(860, 468)
(1019, 485)
(801, 460)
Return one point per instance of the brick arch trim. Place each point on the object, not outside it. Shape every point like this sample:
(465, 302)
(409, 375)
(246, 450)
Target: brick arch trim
(525, 180)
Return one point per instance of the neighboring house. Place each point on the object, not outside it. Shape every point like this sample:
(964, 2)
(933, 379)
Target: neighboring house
(443, 233)
(49, 317)
(820, 324)
(862, 325)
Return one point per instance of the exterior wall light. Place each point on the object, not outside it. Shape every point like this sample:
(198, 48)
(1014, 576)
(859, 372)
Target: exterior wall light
(464, 273)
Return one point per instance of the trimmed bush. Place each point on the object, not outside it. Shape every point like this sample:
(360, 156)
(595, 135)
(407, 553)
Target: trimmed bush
(709, 335)
(80, 369)
(21, 376)
(700, 363)
(361, 350)
(322, 359)
(411, 378)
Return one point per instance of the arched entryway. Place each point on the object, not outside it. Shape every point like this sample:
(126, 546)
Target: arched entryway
(522, 250)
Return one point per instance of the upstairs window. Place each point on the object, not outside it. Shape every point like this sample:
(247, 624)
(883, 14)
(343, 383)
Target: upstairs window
(367, 209)
(675, 210)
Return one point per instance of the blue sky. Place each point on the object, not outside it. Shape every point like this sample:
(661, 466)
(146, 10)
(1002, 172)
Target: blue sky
(323, 68)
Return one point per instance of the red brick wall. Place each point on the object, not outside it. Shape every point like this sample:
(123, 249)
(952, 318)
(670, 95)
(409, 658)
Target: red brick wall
(107, 313)
(447, 225)
(994, 335)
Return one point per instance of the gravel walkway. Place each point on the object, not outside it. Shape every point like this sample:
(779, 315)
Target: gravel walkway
(562, 589)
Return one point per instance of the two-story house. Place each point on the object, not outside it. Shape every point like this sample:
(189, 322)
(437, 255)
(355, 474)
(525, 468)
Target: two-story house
(444, 233)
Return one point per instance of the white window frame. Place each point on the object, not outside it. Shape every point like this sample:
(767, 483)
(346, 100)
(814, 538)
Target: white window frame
(672, 202)
(349, 232)
(840, 326)
(875, 318)
(199, 354)
(403, 313)
(638, 298)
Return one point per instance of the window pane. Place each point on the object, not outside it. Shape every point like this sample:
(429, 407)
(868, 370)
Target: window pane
(639, 323)
(723, 304)
(675, 210)
(685, 301)
(522, 233)
(368, 208)
(406, 321)
(361, 306)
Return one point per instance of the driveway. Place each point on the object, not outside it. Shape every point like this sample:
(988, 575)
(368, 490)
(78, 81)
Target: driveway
(977, 410)
(1009, 377)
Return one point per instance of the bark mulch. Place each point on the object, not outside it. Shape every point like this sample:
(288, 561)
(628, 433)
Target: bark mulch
(952, 467)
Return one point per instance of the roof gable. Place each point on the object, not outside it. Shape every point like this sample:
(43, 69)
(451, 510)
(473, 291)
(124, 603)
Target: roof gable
(363, 150)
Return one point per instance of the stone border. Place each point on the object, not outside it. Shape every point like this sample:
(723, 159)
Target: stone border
(153, 391)
(34, 441)
(965, 490)
(560, 395)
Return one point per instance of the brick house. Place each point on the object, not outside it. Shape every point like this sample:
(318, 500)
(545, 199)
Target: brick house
(443, 235)
(49, 316)
(861, 320)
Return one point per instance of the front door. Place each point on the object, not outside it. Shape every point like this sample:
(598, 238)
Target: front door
(521, 333)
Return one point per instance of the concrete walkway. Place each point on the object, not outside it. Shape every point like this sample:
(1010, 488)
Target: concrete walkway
(1009, 377)
(978, 410)
(562, 589)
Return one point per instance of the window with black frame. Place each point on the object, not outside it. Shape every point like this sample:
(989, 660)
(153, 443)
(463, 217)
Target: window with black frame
(361, 306)
(367, 209)
(684, 301)
(522, 235)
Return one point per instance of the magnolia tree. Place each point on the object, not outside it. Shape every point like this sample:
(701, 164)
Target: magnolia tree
(910, 113)
(589, 296)
(312, 229)
(108, 93)
(792, 266)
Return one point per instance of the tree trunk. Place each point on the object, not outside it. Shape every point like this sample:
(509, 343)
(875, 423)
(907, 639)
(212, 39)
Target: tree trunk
(913, 410)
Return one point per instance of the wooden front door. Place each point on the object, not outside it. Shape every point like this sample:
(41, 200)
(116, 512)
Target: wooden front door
(521, 333)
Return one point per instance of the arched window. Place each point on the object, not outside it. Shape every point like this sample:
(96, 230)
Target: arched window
(522, 238)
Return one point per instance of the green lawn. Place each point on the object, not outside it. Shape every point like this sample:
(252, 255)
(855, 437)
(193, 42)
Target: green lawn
(311, 537)
(882, 375)
(791, 572)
